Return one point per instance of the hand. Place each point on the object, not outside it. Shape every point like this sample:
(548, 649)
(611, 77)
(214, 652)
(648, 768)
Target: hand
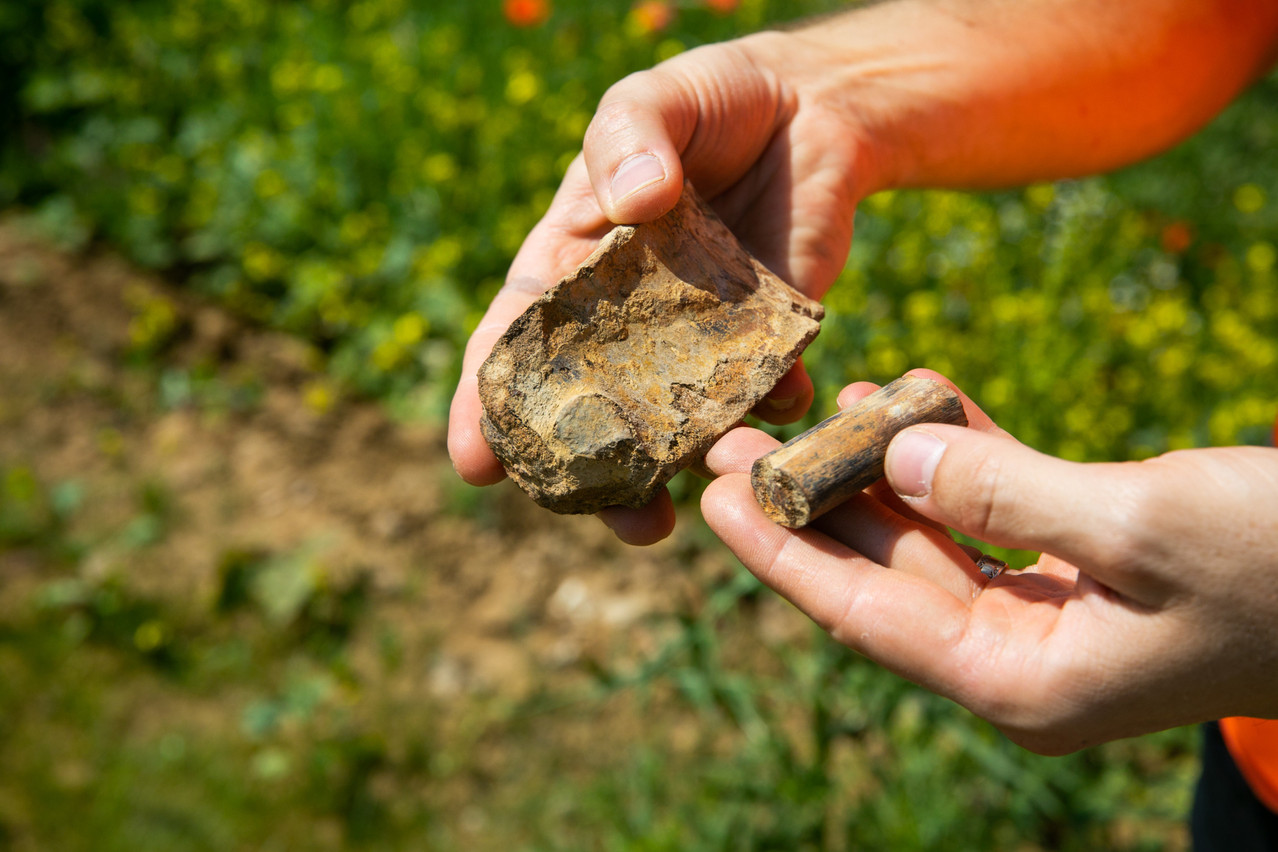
(785, 132)
(780, 169)
(1154, 604)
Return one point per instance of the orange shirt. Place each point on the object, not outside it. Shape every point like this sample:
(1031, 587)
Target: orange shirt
(1253, 743)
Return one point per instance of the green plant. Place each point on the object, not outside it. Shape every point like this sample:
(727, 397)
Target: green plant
(359, 173)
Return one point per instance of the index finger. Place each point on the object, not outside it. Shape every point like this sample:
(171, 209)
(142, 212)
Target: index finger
(471, 455)
(900, 618)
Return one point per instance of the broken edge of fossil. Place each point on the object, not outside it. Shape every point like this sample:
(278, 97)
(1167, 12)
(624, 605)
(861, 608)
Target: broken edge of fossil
(628, 370)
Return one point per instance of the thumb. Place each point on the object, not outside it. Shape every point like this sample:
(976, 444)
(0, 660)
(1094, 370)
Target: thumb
(631, 154)
(996, 489)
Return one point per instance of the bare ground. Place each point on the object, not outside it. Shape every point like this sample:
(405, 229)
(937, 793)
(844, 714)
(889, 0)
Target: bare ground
(489, 599)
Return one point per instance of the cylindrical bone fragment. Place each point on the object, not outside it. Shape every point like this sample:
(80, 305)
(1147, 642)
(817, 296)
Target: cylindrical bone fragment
(816, 471)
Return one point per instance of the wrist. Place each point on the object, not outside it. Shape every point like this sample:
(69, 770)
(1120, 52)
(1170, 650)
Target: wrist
(952, 93)
(910, 84)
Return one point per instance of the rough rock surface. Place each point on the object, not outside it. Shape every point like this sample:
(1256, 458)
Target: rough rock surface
(628, 370)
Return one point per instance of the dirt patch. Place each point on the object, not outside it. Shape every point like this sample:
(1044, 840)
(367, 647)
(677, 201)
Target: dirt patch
(211, 449)
(513, 590)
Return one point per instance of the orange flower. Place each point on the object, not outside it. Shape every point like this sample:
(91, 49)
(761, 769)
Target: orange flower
(652, 16)
(1177, 237)
(723, 7)
(526, 13)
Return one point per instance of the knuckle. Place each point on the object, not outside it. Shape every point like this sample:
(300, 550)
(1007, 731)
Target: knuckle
(1135, 540)
(614, 117)
(610, 119)
(985, 504)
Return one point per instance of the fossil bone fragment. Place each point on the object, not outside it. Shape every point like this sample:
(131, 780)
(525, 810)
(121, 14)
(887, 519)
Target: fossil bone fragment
(628, 370)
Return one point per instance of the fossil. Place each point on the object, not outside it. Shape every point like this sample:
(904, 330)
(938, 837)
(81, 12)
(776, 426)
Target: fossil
(628, 370)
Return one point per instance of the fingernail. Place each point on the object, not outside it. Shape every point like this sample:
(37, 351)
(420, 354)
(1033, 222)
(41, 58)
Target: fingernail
(784, 403)
(911, 462)
(634, 173)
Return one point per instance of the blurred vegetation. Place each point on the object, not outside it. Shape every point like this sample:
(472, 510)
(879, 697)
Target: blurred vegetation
(360, 174)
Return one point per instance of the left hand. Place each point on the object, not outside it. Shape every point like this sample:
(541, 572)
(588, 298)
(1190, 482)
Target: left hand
(745, 121)
(1154, 604)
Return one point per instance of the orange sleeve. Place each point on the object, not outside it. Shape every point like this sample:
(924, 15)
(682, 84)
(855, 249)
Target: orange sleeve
(1253, 743)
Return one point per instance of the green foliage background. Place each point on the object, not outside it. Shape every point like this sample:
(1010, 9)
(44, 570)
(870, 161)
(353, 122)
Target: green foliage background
(360, 174)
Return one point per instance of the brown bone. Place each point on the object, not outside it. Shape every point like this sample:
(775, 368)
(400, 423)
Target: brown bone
(816, 471)
(629, 369)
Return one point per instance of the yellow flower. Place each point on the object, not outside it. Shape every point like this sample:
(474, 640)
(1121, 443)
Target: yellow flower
(522, 87)
(1040, 195)
(262, 262)
(354, 228)
(439, 167)
(669, 48)
(319, 396)
(386, 355)
(286, 77)
(149, 635)
(409, 329)
(327, 78)
(1173, 361)
(886, 361)
(922, 307)
(1222, 426)
(154, 320)
(1249, 198)
(1261, 257)
(880, 202)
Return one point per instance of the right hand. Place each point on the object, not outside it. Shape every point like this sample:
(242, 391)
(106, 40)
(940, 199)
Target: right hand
(746, 125)
(1154, 603)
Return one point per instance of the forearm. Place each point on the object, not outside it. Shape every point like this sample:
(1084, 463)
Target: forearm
(983, 93)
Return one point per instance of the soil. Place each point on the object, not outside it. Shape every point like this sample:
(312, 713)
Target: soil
(373, 495)
(490, 598)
